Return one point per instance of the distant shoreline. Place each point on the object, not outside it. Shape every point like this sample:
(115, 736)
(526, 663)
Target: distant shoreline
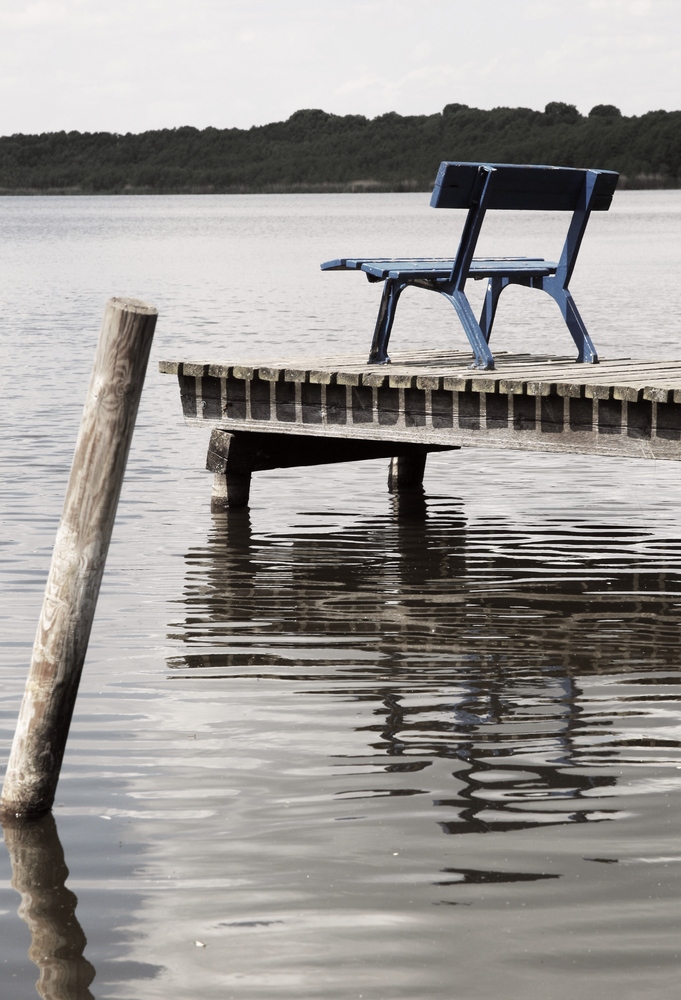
(645, 183)
(314, 152)
(359, 187)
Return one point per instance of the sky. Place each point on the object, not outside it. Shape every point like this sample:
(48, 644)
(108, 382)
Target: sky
(132, 65)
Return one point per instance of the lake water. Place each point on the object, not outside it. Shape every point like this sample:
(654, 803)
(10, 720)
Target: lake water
(355, 746)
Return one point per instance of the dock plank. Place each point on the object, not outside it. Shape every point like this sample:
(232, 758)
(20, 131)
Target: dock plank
(542, 402)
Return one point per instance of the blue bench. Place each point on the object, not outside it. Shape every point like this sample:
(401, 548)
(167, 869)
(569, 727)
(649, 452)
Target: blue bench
(480, 187)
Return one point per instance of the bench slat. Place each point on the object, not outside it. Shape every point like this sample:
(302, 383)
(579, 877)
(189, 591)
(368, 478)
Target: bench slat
(439, 267)
(522, 187)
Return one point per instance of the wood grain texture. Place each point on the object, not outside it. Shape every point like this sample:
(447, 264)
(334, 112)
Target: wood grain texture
(78, 558)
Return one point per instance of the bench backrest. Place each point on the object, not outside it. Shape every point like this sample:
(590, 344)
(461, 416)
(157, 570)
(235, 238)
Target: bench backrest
(515, 186)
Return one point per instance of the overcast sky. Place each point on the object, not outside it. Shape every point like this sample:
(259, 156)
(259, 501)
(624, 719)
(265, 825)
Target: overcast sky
(131, 65)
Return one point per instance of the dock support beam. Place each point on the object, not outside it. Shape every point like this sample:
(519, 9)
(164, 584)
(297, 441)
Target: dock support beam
(234, 455)
(78, 558)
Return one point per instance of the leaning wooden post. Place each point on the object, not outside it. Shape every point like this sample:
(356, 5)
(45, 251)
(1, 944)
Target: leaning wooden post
(78, 559)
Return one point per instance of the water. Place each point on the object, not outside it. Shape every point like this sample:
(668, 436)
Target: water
(354, 746)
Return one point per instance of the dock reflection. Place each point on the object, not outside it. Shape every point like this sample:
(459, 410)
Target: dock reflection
(48, 908)
(480, 645)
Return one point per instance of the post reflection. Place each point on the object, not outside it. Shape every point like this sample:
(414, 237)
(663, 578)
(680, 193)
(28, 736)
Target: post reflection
(486, 646)
(48, 908)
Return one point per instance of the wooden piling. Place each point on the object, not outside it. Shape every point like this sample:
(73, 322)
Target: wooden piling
(78, 558)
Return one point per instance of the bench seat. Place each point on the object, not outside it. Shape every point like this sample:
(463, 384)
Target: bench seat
(441, 268)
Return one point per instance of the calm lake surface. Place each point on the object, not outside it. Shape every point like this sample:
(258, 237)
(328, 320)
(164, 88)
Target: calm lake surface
(354, 746)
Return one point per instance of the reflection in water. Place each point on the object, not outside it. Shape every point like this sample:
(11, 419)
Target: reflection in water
(533, 663)
(39, 874)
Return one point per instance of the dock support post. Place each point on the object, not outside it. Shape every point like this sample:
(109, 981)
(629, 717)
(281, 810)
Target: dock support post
(78, 558)
(233, 456)
(230, 489)
(231, 466)
(406, 471)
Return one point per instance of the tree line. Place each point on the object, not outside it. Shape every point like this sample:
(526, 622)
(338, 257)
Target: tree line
(316, 151)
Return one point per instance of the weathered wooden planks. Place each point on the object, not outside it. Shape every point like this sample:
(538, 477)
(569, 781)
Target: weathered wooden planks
(541, 403)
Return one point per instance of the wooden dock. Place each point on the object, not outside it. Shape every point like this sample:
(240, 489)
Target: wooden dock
(327, 409)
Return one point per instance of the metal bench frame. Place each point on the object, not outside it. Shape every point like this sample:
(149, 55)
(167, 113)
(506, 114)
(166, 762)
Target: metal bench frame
(480, 187)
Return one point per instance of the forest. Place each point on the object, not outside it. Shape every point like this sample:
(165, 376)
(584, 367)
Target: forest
(314, 151)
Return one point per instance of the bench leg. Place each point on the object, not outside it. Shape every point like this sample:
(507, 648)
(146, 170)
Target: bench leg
(484, 358)
(495, 287)
(586, 351)
(384, 324)
(406, 472)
